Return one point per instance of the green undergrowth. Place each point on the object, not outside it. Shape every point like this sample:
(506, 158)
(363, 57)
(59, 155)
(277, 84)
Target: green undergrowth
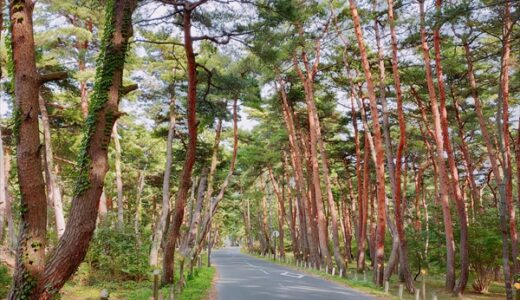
(434, 283)
(197, 287)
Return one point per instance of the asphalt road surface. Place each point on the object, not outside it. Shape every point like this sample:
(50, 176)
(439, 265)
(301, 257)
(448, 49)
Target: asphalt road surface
(242, 277)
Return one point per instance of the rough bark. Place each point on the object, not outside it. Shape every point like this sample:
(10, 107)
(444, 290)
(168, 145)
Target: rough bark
(32, 237)
(36, 282)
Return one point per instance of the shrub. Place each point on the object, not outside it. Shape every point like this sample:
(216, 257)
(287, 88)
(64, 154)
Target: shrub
(5, 280)
(116, 255)
(485, 246)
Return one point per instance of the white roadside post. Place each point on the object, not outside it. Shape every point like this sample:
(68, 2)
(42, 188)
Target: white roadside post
(275, 234)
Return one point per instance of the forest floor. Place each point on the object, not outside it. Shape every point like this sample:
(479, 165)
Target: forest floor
(434, 283)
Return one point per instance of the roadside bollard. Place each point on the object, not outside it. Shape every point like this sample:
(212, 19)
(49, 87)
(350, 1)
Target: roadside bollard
(199, 262)
(434, 297)
(417, 294)
(327, 269)
(104, 295)
(401, 289)
(387, 287)
(340, 272)
(355, 276)
(333, 271)
(156, 274)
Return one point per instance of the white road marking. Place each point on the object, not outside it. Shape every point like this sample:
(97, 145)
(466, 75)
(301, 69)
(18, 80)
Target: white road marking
(258, 268)
(293, 275)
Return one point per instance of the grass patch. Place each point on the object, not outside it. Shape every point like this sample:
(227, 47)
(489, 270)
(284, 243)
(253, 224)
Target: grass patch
(197, 287)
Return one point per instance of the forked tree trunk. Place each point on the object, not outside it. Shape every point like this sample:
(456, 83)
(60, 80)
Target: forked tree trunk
(443, 175)
(32, 280)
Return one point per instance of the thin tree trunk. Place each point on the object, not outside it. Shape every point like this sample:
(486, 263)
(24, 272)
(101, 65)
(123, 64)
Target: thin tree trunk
(160, 226)
(459, 288)
(380, 167)
(281, 210)
(497, 172)
(310, 245)
(444, 184)
(138, 205)
(53, 191)
(502, 120)
(119, 178)
(4, 203)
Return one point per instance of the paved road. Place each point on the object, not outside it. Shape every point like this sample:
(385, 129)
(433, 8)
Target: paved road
(242, 277)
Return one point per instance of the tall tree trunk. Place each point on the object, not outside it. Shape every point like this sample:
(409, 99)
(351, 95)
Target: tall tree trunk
(119, 178)
(185, 180)
(380, 168)
(138, 205)
(160, 226)
(32, 239)
(403, 247)
(444, 184)
(53, 188)
(308, 241)
(363, 208)
(31, 280)
(4, 203)
(502, 120)
(314, 143)
(296, 243)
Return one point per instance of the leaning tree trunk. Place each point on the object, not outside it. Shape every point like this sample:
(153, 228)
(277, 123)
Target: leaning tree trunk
(380, 167)
(403, 248)
(31, 280)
